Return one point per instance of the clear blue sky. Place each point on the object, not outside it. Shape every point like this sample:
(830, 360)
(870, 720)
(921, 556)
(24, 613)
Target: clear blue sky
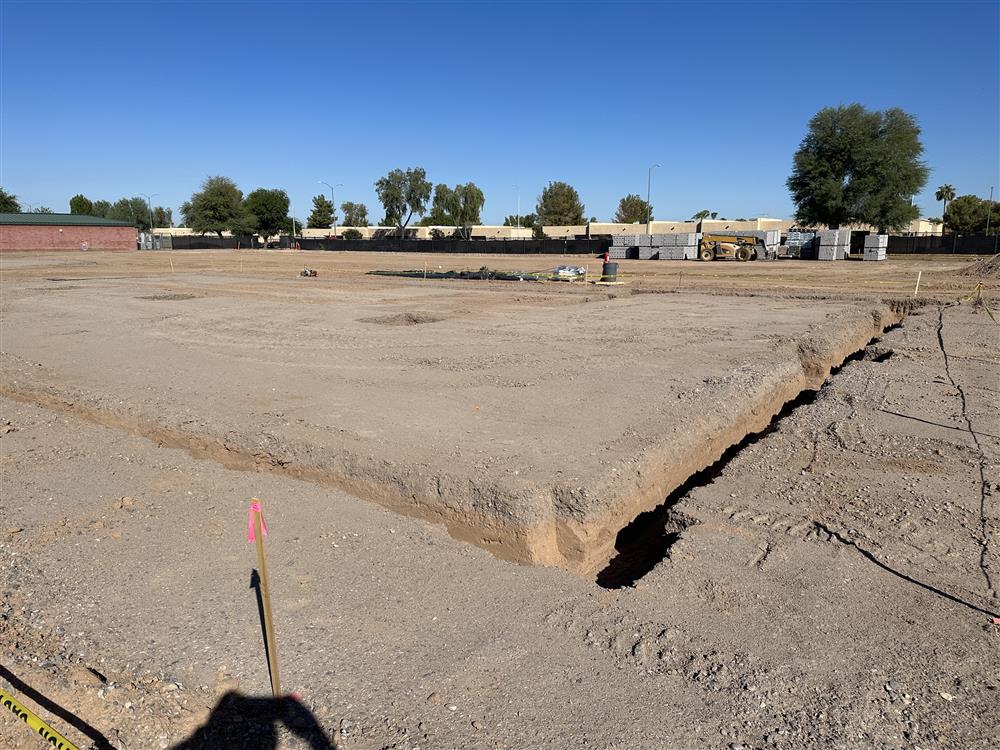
(116, 98)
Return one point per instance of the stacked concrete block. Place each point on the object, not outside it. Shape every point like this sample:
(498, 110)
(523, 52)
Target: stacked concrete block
(617, 252)
(630, 240)
(876, 246)
(648, 253)
(833, 244)
(677, 245)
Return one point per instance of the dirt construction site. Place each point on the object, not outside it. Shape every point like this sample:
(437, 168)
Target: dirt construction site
(718, 505)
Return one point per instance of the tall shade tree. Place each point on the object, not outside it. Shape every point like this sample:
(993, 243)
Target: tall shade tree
(465, 206)
(944, 194)
(163, 217)
(856, 165)
(42, 210)
(632, 209)
(82, 205)
(218, 207)
(559, 205)
(438, 215)
(269, 208)
(355, 214)
(101, 208)
(321, 216)
(527, 221)
(9, 203)
(967, 214)
(133, 210)
(403, 194)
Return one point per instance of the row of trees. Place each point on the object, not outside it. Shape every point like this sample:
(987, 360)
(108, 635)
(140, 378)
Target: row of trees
(220, 206)
(408, 193)
(135, 210)
(854, 166)
(324, 215)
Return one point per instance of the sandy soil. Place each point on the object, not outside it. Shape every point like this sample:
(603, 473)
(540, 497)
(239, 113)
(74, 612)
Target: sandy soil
(830, 582)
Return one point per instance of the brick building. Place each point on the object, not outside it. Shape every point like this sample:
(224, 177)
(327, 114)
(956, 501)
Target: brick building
(64, 232)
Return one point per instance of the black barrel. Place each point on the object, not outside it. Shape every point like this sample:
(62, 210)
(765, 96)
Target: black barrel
(609, 272)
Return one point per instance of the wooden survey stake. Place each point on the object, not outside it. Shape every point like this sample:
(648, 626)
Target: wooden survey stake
(256, 532)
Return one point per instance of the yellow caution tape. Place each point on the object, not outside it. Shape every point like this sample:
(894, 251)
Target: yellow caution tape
(50, 735)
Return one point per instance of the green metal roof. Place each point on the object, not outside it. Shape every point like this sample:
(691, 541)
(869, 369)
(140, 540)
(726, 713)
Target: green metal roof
(61, 220)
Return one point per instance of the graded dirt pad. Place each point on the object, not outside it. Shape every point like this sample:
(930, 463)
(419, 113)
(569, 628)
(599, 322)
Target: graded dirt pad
(535, 430)
(829, 583)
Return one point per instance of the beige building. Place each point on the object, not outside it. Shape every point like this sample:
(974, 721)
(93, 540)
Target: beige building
(593, 229)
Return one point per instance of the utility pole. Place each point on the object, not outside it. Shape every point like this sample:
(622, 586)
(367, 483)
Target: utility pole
(649, 208)
(518, 211)
(149, 208)
(333, 200)
(989, 210)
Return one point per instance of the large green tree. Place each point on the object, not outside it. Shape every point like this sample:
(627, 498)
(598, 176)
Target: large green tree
(321, 216)
(218, 207)
(355, 214)
(9, 203)
(559, 205)
(459, 207)
(632, 209)
(133, 210)
(944, 194)
(81, 204)
(527, 221)
(163, 217)
(968, 214)
(403, 194)
(101, 208)
(856, 165)
(269, 208)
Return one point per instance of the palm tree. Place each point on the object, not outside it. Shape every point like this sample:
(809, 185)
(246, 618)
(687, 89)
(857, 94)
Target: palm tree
(945, 193)
(701, 215)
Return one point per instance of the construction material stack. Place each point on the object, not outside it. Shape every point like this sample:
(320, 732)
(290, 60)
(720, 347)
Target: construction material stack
(678, 246)
(876, 246)
(622, 244)
(674, 246)
(833, 244)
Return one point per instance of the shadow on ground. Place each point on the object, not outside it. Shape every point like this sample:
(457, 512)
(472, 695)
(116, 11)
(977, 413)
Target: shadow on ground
(253, 724)
(100, 741)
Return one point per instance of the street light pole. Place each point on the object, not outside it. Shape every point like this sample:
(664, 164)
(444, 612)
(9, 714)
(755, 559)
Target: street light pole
(649, 208)
(518, 211)
(333, 200)
(149, 208)
(989, 211)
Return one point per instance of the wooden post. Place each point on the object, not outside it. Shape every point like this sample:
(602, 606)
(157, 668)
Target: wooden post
(265, 590)
(917, 287)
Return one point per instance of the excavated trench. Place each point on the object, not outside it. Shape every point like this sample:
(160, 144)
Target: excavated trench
(646, 541)
(617, 544)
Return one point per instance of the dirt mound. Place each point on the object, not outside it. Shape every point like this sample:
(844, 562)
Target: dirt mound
(404, 319)
(987, 268)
